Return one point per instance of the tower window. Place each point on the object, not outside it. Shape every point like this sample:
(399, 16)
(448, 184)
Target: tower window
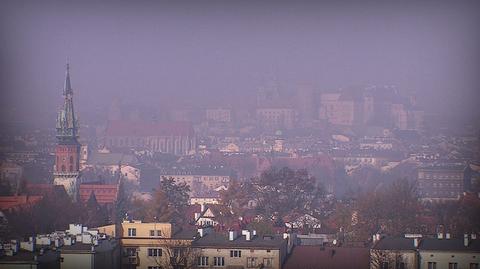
(71, 159)
(63, 168)
(71, 168)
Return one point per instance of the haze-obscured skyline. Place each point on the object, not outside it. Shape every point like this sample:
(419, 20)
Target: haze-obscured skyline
(218, 53)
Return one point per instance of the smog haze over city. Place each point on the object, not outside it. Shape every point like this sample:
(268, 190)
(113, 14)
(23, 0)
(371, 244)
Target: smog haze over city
(240, 134)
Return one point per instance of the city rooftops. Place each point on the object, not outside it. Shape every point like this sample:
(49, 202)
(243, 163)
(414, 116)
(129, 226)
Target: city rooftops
(454, 244)
(198, 171)
(148, 129)
(442, 167)
(216, 240)
(99, 158)
(395, 243)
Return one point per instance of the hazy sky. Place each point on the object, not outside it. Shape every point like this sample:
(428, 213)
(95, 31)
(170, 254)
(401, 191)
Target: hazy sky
(156, 53)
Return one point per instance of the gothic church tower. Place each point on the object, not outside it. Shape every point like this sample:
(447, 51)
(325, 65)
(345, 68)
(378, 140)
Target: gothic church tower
(67, 151)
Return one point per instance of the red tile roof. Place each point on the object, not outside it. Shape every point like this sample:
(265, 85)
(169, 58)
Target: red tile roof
(18, 201)
(314, 257)
(137, 128)
(104, 193)
(39, 188)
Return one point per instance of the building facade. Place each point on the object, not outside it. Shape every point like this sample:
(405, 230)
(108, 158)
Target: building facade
(440, 182)
(245, 250)
(173, 137)
(152, 245)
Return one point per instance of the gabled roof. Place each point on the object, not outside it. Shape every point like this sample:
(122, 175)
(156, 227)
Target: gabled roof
(104, 193)
(18, 201)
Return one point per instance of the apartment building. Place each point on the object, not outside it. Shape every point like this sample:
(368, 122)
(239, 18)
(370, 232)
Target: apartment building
(440, 182)
(199, 179)
(245, 250)
(417, 252)
(394, 252)
(450, 253)
(152, 245)
(75, 248)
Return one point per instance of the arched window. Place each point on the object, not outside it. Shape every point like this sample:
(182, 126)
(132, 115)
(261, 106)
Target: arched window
(71, 168)
(63, 168)
(71, 159)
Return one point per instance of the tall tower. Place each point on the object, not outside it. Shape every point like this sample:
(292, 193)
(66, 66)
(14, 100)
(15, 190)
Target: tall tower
(67, 151)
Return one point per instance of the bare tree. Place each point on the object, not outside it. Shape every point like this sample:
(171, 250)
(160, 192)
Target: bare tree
(176, 254)
(386, 259)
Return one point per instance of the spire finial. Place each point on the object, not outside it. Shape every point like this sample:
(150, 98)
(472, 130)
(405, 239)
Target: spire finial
(67, 88)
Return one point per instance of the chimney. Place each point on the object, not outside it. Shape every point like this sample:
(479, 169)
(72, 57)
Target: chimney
(197, 215)
(202, 207)
(447, 236)
(248, 236)
(440, 235)
(465, 240)
(232, 235)
(202, 232)
(473, 236)
(415, 242)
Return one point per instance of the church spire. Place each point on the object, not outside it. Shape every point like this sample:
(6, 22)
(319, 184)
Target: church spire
(66, 122)
(67, 88)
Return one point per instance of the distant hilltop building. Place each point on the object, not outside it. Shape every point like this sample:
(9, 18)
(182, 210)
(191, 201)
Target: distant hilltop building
(169, 137)
(375, 105)
(67, 151)
(274, 111)
(218, 115)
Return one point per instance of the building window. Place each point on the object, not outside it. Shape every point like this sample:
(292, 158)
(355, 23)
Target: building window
(474, 266)
(432, 265)
(203, 261)
(218, 261)
(63, 168)
(71, 159)
(267, 262)
(452, 265)
(251, 262)
(400, 265)
(154, 267)
(71, 168)
(155, 233)
(132, 232)
(154, 252)
(384, 265)
(235, 253)
(130, 251)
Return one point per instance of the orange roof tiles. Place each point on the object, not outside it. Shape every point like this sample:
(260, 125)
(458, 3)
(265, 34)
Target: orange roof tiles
(104, 193)
(18, 201)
